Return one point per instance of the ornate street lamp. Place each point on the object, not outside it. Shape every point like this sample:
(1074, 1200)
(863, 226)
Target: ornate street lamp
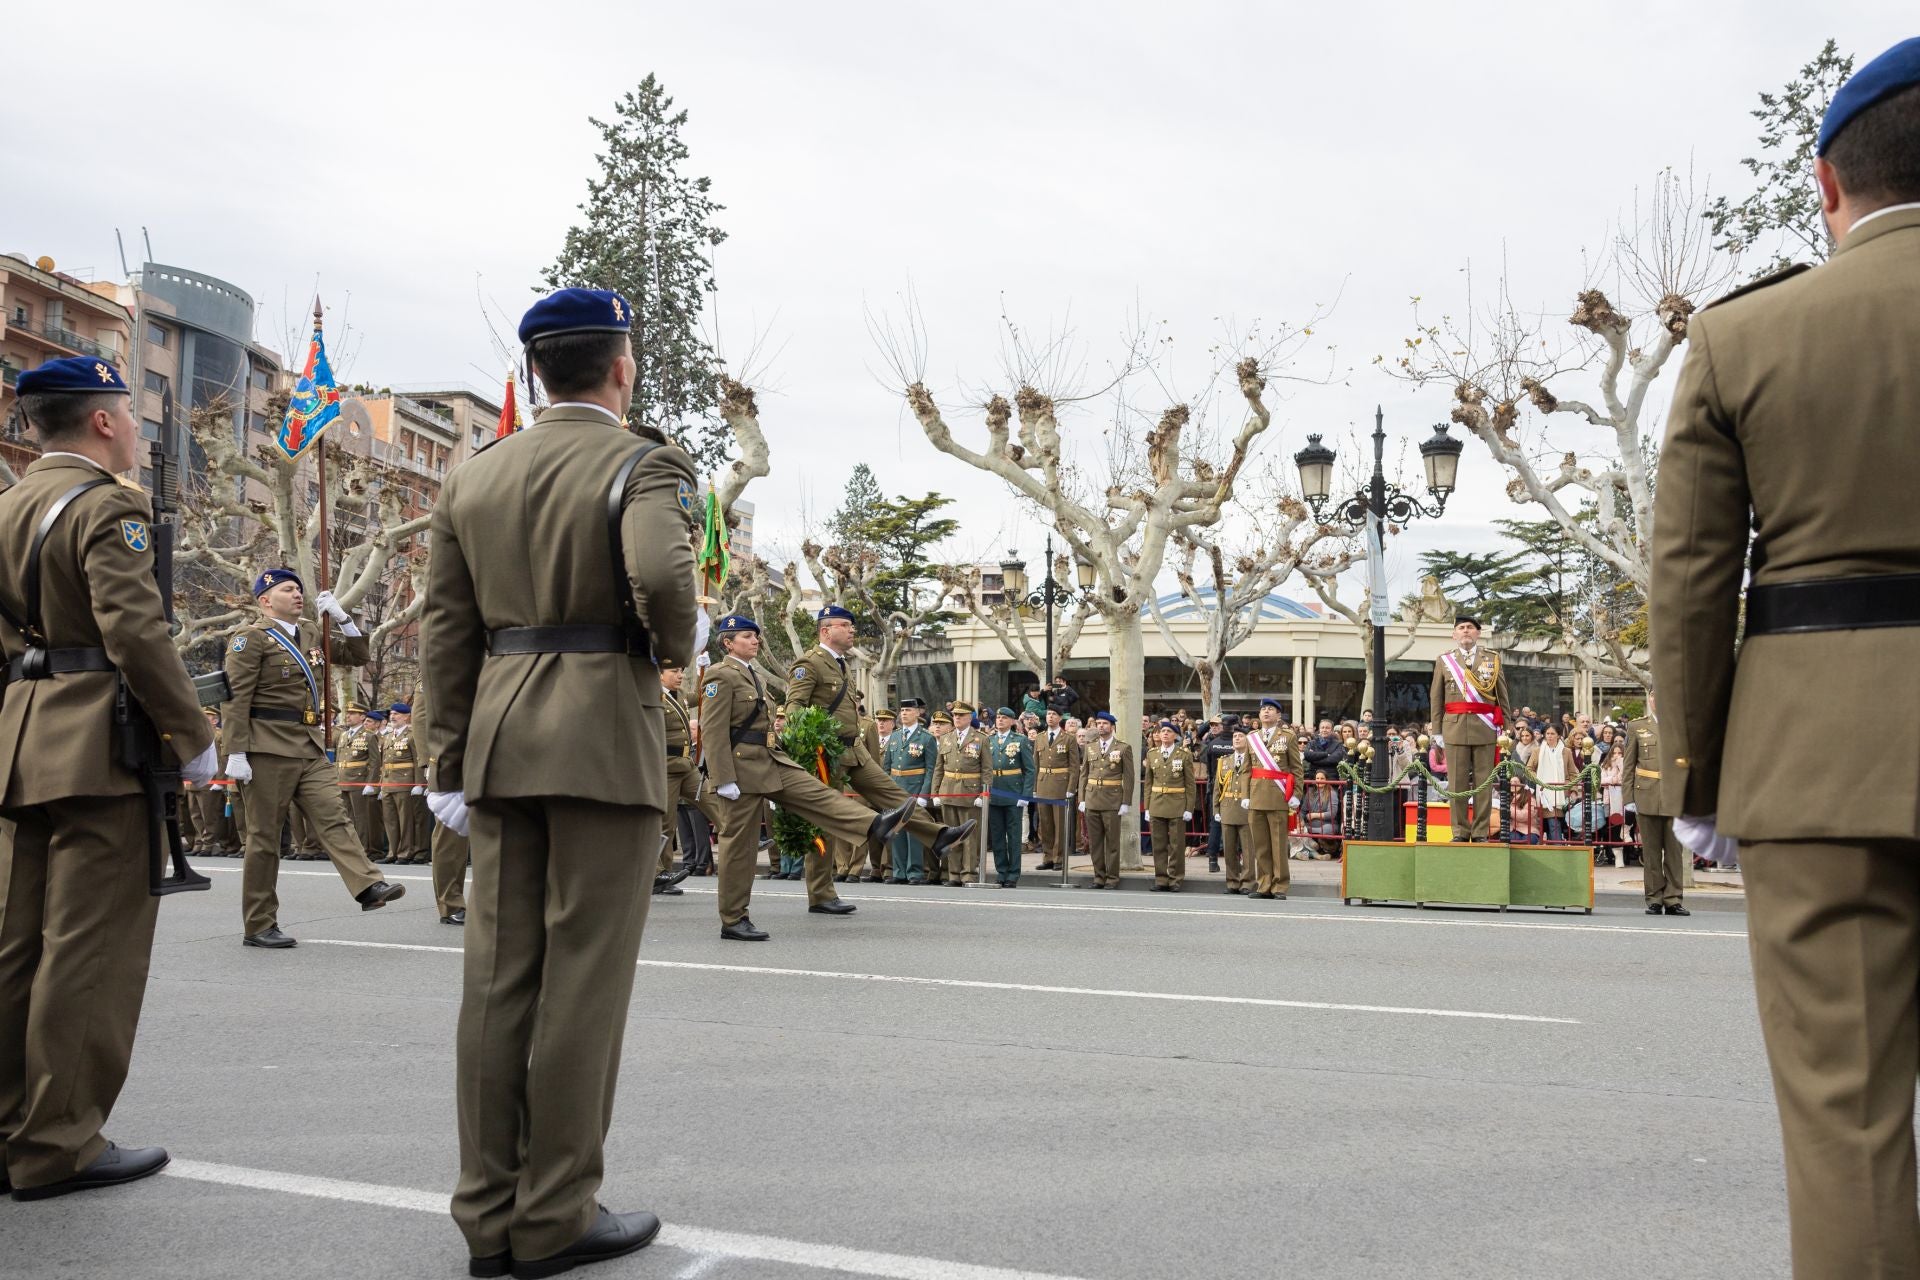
(1370, 509)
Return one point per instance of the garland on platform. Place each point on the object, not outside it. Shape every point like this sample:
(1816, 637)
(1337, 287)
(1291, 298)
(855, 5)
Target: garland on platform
(811, 740)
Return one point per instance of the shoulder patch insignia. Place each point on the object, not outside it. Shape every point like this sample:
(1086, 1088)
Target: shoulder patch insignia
(683, 494)
(134, 534)
(239, 644)
(798, 672)
(712, 689)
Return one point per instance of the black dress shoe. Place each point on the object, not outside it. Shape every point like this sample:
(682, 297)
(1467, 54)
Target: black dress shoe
(1096, 885)
(375, 896)
(498, 1264)
(1677, 910)
(1654, 909)
(612, 1235)
(885, 825)
(742, 930)
(110, 1168)
(667, 891)
(269, 937)
(952, 835)
(832, 907)
(1173, 888)
(1160, 888)
(671, 878)
(894, 880)
(457, 917)
(1261, 895)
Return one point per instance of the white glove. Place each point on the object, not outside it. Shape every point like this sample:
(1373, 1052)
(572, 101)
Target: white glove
(728, 791)
(1632, 807)
(1125, 809)
(450, 807)
(237, 767)
(325, 603)
(1293, 803)
(1246, 804)
(1704, 839)
(369, 791)
(772, 807)
(419, 791)
(204, 766)
(1186, 815)
(1020, 804)
(702, 629)
(1083, 806)
(922, 801)
(980, 802)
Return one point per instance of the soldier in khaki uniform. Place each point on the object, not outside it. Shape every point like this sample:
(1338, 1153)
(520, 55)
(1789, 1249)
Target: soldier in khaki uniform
(1273, 795)
(1792, 447)
(879, 859)
(960, 771)
(1662, 855)
(1468, 700)
(683, 781)
(545, 718)
(1232, 776)
(403, 791)
(1172, 794)
(748, 768)
(449, 852)
(1106, 777)
(820, 679)
(355, 761)
(76, 918)
(273, 749)
(1054, 753)
(379, 847)
(210, 805)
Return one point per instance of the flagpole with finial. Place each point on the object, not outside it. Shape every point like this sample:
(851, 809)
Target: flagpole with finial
(322, 574)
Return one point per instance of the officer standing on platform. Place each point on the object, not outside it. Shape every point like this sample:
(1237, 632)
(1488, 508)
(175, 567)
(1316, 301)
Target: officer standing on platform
(1273, 794)
(820, 679)
(909, 757)
(1012, 789)
(549, 752)
(1792, 447)
(1470, 693)
(748, 768)
(1172, 793)
(274, 750)
(1107, 777)
(80, 613)
(403, 789)
(960, 774)
(1662, 856)
(1054, 754)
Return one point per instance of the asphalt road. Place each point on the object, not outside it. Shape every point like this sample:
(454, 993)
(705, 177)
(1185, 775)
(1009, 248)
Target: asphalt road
(980, 1084)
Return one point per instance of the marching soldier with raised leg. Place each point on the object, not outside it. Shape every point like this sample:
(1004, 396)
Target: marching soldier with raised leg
(1792, 448)
(80, 615)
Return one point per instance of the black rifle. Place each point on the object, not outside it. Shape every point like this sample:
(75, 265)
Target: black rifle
(141, 748)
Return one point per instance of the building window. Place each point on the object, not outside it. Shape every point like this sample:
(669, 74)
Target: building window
(158, 335)
(21, 316)
(154, 382)
(149, 429)
(260, 378)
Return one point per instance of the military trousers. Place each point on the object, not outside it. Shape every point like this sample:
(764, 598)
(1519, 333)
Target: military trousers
(1103, 842)
(365, 812)
(1169, 836)
(284, 782)
(1663, 858)
(1272, 873)
(795, 789)
(300, 836)
(909, 859)
(877, 787)
(210, 818)
(1233, 841)
(1004, 826)
(1467, 768)
(849, 858)
(452, 852)
(1834, 930)
(561, 888)
(962, 857)
(1052, 834)
(76, 932)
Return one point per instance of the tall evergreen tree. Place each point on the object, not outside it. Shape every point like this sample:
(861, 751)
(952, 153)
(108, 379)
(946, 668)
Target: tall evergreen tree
(649, 233)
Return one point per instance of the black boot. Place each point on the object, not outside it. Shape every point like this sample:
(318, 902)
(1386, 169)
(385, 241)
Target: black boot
(884, 825)
(950, 836)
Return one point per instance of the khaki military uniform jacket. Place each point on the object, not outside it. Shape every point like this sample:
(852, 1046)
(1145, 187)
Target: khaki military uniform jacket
(821, 680)
(1230, 783)
(1284, 745)
(400, 761)
(1487, 682)
(960, 772)
(733, 697)
(1171, 789)
(1107, 775)
(679, 722)
(1791, 437)
(263, 673)
(519, 538)
(356, 756)
(1055, 761)
(1641, 783)
(96, 591)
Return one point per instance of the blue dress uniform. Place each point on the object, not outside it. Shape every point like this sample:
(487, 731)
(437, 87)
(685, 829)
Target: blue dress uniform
(1014, 772)
(908, 755)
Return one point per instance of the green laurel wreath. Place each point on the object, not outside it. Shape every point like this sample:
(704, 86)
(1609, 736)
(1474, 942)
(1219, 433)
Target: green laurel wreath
(810, 737)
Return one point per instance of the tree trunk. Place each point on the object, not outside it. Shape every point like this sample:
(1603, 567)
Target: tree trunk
(1208, 672)
(1126, 673)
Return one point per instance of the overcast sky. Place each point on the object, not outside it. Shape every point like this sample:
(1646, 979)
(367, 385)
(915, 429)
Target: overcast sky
(1213, 165)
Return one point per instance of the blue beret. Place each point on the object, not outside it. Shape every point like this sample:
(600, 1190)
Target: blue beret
(735, 622)
(272, 578)
(1272, 702)
(1896, 69)
(832, 611)
(376, 715)
(401, 709)
(1168, 724)
(72, 374)
(576, 311)
(1105, 715)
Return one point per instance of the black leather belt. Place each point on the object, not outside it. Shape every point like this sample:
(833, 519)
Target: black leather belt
(577, 638)
(752, 737)
(39, 664)
(284, 715)
(1834, 604)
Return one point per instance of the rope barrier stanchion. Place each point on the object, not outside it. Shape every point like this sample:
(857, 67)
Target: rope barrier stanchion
(1503, 802)
(1420, 809)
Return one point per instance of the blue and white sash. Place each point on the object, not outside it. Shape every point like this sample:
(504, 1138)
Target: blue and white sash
(306, 669)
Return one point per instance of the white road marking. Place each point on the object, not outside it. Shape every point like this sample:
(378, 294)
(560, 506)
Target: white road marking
(971, 984)
(698, 1240)
(1354, 915)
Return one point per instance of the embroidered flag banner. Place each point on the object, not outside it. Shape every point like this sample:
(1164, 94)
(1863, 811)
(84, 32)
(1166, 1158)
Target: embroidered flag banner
(315, 402)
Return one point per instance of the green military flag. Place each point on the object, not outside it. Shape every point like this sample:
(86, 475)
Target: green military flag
(716, 546)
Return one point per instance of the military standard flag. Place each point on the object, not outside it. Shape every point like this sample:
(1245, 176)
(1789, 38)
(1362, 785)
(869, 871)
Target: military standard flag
(315, 402)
